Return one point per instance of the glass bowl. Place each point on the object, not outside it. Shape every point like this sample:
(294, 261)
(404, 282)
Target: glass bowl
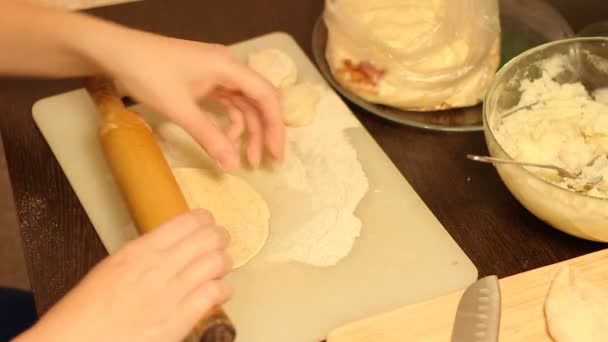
(574, 213)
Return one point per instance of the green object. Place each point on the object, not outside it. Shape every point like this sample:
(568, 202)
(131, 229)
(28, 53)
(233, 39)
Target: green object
(517, 39)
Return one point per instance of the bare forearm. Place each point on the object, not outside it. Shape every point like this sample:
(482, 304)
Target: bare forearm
(44, 42)
(31, 335)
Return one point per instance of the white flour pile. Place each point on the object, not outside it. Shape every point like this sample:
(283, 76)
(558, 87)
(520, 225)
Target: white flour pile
(312, 195)
(322, 168)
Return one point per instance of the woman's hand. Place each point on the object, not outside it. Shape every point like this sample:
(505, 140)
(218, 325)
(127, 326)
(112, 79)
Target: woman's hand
(153, 289)
(170, 75)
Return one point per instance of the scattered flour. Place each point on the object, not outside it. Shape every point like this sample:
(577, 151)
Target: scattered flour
(322, 164)
(312, 194)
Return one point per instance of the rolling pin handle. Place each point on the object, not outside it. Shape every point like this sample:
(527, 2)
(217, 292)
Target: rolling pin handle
(219, 333)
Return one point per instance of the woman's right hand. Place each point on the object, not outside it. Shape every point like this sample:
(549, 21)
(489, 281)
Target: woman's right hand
(168, 75)
(153, 289)
(171, 75)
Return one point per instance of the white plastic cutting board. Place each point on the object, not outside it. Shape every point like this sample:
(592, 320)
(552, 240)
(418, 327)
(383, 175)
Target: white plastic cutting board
(403, 255)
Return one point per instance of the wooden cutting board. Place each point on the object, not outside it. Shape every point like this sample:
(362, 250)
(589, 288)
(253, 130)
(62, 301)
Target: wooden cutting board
(522, 317)
(403, 255)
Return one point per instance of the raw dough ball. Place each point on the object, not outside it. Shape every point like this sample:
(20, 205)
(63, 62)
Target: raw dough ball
(299, 104)
(575, 309)
(235, 205)
(275, 66)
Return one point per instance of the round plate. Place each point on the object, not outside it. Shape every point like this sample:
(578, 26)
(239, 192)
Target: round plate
(524, 24)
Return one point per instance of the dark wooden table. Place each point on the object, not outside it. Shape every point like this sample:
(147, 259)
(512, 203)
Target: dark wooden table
(495, 231)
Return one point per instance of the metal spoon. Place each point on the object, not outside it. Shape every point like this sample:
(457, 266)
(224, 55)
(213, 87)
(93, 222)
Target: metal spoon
(560, 171)
(490, 160)
(513, 111)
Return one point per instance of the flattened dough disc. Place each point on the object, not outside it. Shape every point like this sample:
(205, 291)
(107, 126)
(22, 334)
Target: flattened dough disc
(576, 311)
(234, 204)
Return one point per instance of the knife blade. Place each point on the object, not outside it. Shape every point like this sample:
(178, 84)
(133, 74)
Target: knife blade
(478, 314)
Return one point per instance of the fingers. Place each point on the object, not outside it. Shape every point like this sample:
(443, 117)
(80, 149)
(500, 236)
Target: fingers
(241, 106)
(203, 298)
(266, 98)
(206, 267)
(237, 124)
(255, 143)
(206, 239)
(173, 231)
(176, 282)
(264, 123)
(236, 116)
(194, 265)
(199, 125)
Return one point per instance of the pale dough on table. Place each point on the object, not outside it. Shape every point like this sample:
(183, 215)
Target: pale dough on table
(235, 205)
(575, 309)
(180, 149)
(275, 66)
(299, 104)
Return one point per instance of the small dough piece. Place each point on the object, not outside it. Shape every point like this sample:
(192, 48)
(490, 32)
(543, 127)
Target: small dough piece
(575, 309)
(275, 66)
(299, 104)
(235, 205)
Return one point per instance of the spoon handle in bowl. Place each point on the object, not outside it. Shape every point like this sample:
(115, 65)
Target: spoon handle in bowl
(491, 160)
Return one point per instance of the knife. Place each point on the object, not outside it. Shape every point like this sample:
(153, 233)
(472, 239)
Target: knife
(478, 314)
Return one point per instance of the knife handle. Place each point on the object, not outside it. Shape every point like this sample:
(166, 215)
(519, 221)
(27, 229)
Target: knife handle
(146, 183)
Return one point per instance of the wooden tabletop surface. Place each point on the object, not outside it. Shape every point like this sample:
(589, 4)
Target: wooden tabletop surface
(493, 229)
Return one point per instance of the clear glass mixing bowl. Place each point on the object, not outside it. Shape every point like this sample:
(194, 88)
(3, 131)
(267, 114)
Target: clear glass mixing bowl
(571, 212)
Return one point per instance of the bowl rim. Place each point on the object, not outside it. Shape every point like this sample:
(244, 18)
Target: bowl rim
(492, 88)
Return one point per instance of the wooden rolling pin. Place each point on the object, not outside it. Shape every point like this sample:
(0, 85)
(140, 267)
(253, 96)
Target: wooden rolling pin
(147, 183)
